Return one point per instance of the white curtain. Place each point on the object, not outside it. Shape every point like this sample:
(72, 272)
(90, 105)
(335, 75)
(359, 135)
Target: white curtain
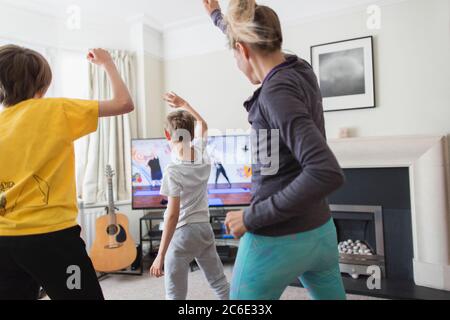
(111, 144)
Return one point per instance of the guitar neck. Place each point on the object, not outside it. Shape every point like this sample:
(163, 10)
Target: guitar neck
(111, 205)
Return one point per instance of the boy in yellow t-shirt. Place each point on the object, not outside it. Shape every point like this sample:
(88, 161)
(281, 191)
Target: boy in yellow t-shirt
(40, 242)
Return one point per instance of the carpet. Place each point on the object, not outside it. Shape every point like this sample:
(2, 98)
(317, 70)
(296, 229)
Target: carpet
(118, 287)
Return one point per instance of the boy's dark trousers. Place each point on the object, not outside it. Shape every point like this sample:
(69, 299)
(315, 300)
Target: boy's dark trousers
(57, 261)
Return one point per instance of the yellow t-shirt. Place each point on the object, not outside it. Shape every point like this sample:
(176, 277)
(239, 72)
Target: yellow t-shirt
(37, 164)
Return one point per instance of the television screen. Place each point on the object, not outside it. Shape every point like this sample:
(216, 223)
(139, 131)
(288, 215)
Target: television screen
(230, 179)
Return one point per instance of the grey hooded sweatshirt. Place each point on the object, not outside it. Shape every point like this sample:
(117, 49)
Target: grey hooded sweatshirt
(292, 199)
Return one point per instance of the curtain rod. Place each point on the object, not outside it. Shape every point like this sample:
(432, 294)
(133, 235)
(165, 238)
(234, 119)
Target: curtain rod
(39, 44)
(54, 47)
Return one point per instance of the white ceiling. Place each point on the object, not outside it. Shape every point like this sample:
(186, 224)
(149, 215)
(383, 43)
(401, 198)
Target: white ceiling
(166, 13)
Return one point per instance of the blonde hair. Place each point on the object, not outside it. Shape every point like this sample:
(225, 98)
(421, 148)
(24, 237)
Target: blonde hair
(255, 25)
(180, 121)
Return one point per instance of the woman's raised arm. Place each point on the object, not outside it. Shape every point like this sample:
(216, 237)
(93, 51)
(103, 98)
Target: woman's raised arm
(213, 9)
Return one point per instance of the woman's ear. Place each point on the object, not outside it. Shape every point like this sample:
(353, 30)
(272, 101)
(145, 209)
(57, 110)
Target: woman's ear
(243, 50)
(168, 137)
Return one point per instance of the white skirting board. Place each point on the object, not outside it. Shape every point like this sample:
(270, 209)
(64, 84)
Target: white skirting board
(434, 276)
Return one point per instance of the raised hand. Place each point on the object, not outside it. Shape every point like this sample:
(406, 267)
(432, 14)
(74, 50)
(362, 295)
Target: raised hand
(99, 57)
(121, 103)
(211, 5)
(175, 101)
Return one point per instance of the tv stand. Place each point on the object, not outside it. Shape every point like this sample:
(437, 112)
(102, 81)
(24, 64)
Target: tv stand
(150, 233)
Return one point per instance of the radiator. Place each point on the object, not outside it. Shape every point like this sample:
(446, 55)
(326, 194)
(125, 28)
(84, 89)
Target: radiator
(87, 218)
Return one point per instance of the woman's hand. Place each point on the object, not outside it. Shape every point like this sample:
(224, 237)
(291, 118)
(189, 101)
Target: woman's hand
(99, 57)
(211, 5)
(157, 268)
(235, 224)
(175, 101)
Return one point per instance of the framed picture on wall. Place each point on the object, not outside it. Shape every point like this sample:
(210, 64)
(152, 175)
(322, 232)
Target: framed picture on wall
(345, 71)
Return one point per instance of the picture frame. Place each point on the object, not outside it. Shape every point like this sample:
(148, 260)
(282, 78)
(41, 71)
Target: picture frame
(346, 73)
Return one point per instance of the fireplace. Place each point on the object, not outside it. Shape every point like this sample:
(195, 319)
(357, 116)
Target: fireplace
(361, 238)
(417, 227)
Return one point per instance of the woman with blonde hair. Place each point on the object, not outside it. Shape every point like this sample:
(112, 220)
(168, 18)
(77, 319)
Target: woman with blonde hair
(287, 232)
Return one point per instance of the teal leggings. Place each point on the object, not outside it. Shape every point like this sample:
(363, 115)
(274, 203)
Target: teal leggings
(266, 266)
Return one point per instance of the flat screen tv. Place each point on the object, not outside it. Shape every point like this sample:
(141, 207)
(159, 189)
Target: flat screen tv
(231, 172)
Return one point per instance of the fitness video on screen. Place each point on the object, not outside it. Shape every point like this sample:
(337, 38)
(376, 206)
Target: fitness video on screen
(229, 183)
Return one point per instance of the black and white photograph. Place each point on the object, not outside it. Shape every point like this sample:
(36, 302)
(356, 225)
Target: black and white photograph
(345, 73)
(342, 73)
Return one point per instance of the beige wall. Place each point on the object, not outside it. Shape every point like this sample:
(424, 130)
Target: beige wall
(213, 84)
(412, 52)
(412, 67)
(154, 90)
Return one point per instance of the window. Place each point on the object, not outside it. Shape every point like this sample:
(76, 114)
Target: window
(70, 70)
(71, 78)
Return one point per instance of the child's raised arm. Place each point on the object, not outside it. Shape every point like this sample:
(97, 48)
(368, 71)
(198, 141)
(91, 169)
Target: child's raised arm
(176, 101)
(121, 102)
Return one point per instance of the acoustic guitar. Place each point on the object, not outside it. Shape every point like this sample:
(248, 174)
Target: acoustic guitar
(114, 248)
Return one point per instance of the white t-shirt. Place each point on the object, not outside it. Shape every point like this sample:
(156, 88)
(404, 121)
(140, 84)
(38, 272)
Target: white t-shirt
(189, 181)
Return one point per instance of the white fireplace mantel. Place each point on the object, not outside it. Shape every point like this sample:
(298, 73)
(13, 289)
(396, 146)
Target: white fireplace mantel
(427, 158)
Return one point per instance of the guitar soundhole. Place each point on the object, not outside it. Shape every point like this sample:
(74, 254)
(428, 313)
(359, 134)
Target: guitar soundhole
(112, 230)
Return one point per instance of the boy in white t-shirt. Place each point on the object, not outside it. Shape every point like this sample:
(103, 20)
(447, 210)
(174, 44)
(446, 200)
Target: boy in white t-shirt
(187, 234)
